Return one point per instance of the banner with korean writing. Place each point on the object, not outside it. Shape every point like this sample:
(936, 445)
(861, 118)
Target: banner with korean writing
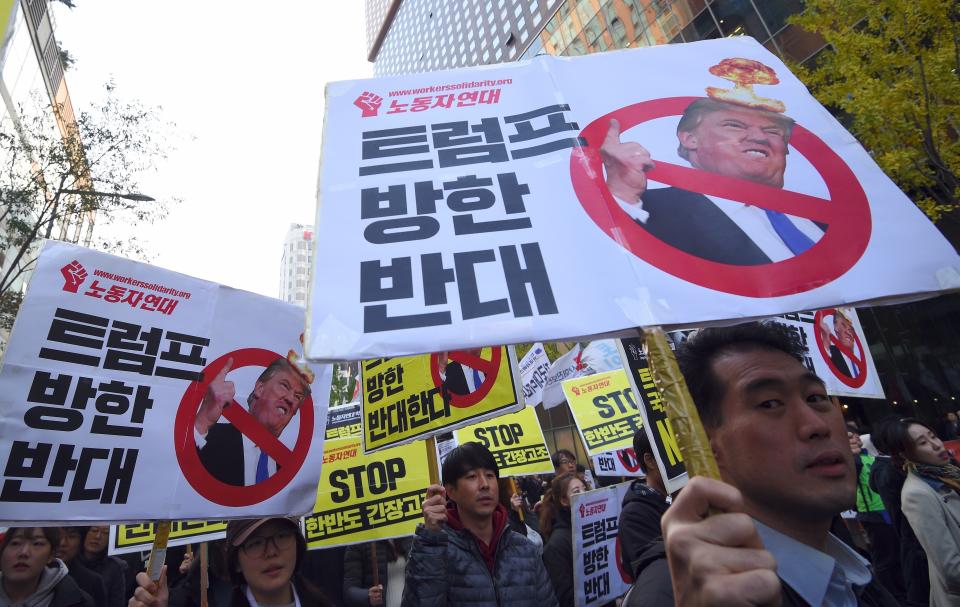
(533, 373)
(622, 462)
(344, 421)
(516, 441)
(483, 205)
(653, 411)
(565, 367)
(134, 538)
(837, 351)
(121, 387)
(362, 498)
(604, 409)
(415, 397)
(598, 573)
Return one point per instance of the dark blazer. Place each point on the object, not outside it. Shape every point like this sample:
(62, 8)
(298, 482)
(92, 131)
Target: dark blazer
(222, 455)
(456, 380)
(836, 357)
(691, 222)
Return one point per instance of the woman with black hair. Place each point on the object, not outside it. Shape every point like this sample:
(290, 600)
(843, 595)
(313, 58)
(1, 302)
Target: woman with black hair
(263, 560)
(930, 500)
(555, 526)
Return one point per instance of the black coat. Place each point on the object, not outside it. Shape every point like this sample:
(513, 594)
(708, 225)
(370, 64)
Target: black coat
(114, 577)
(358, 572)
(68, 594)
(643, 506)
(652, 586)
(88, 581)
(222, 454)
(558, 559)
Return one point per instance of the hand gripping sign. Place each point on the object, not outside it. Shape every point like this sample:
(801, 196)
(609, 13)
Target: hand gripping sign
(415, 397)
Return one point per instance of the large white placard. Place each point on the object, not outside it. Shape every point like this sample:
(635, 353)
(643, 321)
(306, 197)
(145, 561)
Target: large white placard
(107, 414)
(598, 575)
(476, 208)
(533, 373)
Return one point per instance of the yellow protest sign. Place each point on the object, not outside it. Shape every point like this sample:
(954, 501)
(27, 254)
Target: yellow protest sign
(604, 409)
(416, 397)
(367, 497)
(134, 538)
(516, 441)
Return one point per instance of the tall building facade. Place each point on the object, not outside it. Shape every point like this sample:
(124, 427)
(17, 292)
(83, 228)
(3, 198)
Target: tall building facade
(916, 346)
(295, 264)
(32, 80)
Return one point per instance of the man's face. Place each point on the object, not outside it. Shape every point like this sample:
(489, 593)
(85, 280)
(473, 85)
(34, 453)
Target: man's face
(781, 441)
(845, 332)
(70, 542)
(277, 400)
(476, 493)
(952, 417)
(738, 142)
(565, 464)
(96, 540)
(25, 556)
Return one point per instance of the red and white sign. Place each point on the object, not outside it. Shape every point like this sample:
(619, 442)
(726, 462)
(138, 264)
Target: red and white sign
(500, 224)
(100, 398)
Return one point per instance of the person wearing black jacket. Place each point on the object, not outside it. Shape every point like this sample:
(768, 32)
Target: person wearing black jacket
(555, 524)
(68, 551)
(31, 574)
(358, 587)
(643, 505)
(94, 557)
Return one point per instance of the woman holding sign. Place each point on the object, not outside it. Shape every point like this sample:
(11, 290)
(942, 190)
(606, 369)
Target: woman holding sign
(263, 558)
(555, 524)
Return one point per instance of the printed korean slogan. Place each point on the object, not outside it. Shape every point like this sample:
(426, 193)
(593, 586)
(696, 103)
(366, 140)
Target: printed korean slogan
(622, 462)
(367, 497)
(122, 388)
(604, 409)
(516, 441)
(598, 574)
(134, 538)
(654, 413)
(533, 372)
(415, 397)
(344, 421)
(837, 351)
(460, 195)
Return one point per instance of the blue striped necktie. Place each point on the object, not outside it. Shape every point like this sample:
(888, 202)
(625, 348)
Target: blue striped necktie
(262, 473)
(796, 241)
(476, 379)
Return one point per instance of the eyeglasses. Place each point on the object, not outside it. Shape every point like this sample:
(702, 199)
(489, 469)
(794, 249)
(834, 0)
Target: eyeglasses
(564, 460)
(256, 547)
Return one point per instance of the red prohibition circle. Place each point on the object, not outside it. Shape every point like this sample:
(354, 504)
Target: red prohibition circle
(625, 575)
(489, 368)
(847, 211)
(629, 459)
(861, 361)
(197, 475)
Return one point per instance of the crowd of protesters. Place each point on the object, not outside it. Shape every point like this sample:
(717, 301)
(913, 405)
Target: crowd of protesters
(809, 511)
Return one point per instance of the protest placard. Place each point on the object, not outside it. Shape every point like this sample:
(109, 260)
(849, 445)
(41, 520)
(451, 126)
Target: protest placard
(663, 441)
(137, 537)
(598, 573)
(460, 216)
(533, 373)
(362, 498)
(415, 397)
(604, 409)
(515, 440)
(344, 421)
(120, 388)
(622, 462)
(837, 351)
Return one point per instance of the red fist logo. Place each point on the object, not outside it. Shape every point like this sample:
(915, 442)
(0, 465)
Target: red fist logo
(369, 103)
(73, 276)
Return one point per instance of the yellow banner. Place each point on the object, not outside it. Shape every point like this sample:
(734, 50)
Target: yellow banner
(516, 441)
(133, 538)
(416, 397)
(367, 497)
(604, 409)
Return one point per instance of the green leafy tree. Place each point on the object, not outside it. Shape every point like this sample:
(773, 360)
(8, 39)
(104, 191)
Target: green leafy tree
(103, 156)
(893, 77)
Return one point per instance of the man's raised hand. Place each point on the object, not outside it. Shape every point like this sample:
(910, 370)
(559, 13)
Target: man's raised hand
(717, 560)
(435, 508)
(626, 165)
(219, 394)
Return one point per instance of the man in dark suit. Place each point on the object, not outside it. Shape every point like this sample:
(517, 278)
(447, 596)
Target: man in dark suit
(230, 456)
(741, 141)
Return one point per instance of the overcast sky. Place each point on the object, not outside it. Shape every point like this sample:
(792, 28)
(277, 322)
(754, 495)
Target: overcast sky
(244, 82)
